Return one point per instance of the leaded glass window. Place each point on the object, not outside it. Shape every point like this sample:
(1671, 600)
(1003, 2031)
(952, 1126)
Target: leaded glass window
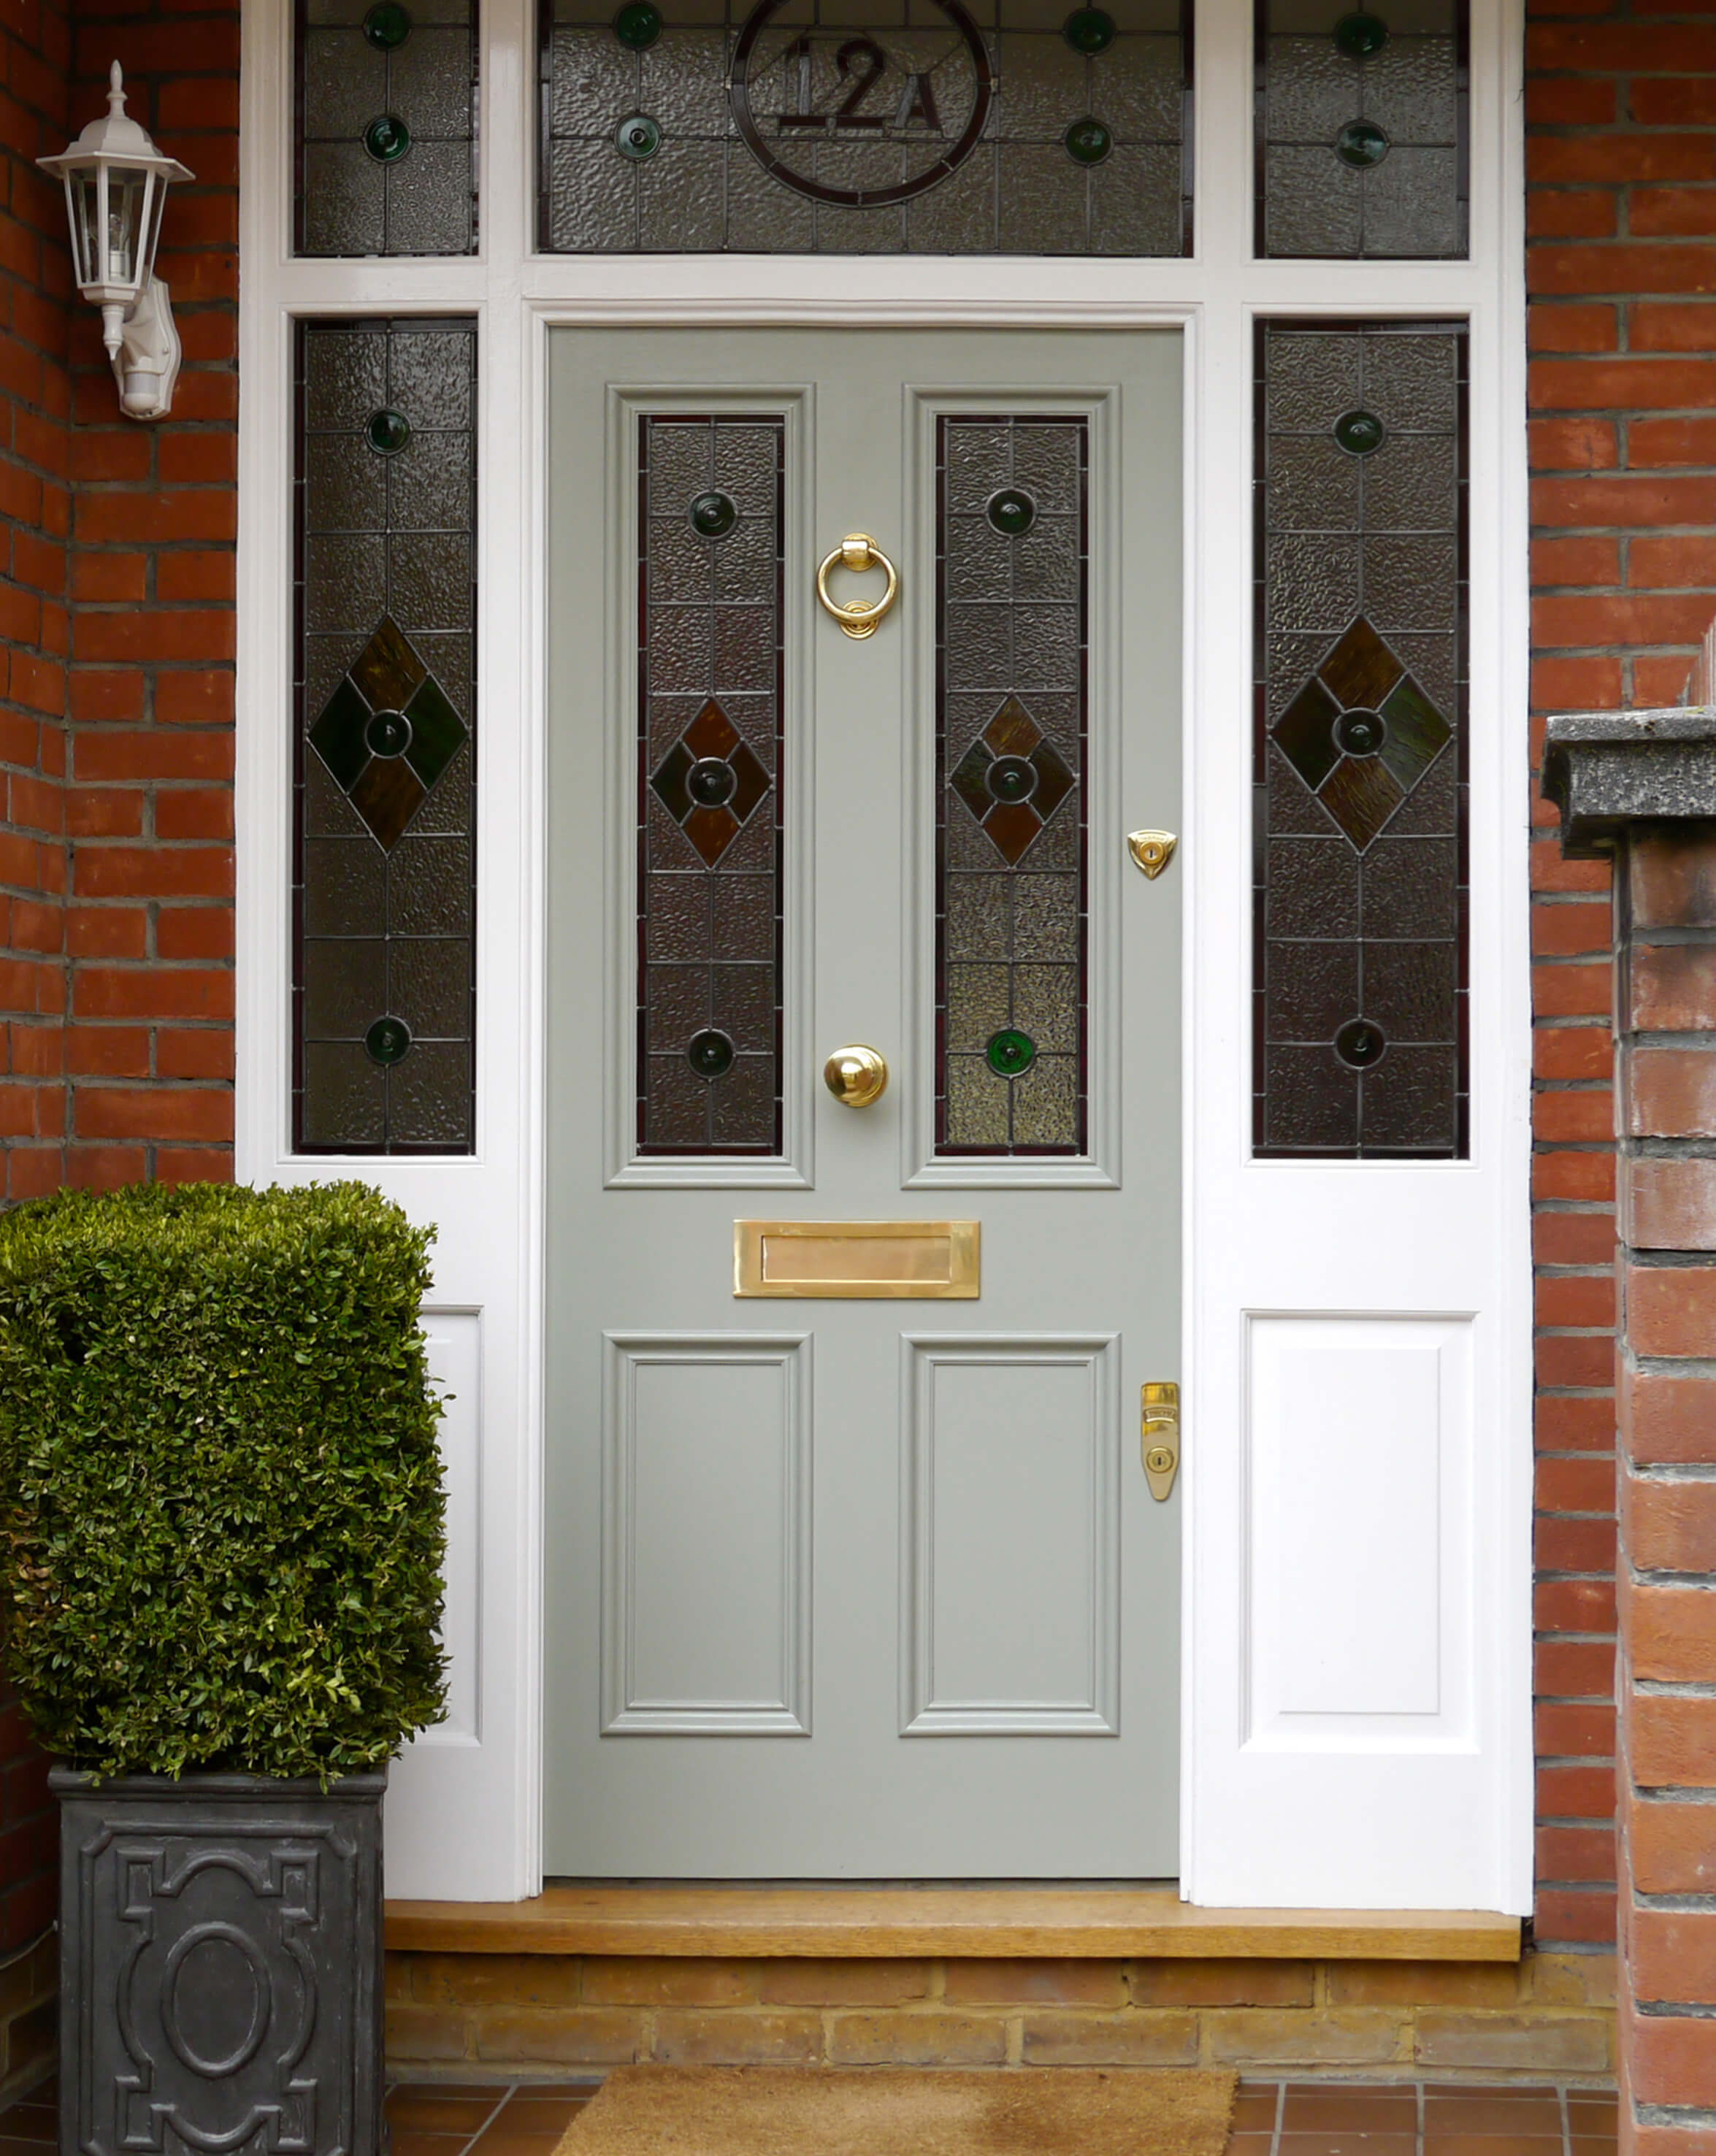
(1012, 722)
(866, 126)
(1361, 128)
(384, 865)
(387, 127)
(710, 734)
(1360, 908)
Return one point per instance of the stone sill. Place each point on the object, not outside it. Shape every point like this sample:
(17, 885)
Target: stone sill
(890, 1923)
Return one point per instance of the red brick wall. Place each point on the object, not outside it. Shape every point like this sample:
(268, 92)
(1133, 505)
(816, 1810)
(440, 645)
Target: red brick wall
(1622, 211)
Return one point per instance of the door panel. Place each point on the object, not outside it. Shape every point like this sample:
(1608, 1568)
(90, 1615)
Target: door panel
(784, 1538)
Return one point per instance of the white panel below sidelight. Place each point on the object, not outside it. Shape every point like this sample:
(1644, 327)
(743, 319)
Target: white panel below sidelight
(1010, 1524)
(1358, 1495)
(455, 1338)
(706, 1508)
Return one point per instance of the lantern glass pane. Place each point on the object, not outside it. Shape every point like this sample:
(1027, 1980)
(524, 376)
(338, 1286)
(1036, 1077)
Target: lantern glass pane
(80, 197)
(126, 188)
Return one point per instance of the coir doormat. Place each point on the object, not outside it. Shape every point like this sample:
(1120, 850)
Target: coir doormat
(886, 2110)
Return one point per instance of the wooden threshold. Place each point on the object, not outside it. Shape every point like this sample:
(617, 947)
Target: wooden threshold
(880, 1923)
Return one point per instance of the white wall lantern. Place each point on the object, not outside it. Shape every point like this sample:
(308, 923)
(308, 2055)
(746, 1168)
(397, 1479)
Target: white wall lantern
(115, 188)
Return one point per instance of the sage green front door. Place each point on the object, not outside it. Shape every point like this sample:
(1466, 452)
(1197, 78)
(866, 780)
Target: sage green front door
(854, 1569)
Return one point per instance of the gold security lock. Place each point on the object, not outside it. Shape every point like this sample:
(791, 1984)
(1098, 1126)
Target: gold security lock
(1160, 1414)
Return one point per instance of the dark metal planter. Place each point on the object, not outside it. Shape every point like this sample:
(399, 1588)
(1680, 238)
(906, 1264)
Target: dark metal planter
(220, 1959)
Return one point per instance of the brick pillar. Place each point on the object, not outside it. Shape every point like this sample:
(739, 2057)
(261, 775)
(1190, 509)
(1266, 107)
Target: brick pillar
(1644, 786)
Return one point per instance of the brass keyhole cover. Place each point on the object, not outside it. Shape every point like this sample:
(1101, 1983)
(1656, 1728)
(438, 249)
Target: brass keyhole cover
(857, 551)
(1152, 850)
(856, 1075)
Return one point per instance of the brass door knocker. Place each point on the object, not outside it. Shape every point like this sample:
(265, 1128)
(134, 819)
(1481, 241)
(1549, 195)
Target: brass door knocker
(858, 551)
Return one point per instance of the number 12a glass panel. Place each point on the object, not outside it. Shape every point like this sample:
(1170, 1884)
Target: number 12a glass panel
(866, 126)
(1012, 729)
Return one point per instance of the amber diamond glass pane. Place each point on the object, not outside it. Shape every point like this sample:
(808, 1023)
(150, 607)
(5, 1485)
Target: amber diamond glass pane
(868, 126)
(1360, 908)
(384, 867)
(1361, 128)
(1012, 679)
(385, 141)
(711, 732)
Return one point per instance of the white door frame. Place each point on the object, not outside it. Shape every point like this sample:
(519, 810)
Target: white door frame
(1345, 1811)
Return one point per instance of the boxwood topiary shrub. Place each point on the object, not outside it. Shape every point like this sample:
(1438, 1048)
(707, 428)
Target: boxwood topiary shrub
(219, 1479)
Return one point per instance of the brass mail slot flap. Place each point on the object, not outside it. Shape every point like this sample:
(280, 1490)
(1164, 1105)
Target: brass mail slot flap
(922, 1261)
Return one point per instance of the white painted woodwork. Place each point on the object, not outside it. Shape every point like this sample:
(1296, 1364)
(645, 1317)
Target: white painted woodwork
(1302, 1822)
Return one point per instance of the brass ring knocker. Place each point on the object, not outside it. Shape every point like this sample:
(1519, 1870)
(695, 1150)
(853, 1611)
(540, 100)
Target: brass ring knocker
(858, 551)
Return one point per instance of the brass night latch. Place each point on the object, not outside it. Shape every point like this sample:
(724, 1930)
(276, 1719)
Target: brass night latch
(1160, 1405)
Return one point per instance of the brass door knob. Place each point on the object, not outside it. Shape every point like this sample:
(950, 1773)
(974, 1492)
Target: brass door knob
(856, 1075)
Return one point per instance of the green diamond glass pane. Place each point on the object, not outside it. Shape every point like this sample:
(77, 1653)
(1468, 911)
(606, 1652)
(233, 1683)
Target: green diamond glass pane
(638, 25)
(1359, 432)
(437, 732)
(338, 734)
(1361, 143)
(1360, 36)
(386, 138)
(1088, 141)
(638, 136)
(386, 26)
(1306, 734)
(389, 1040)
(1009, 1052)
(968, 778)
(1089, 30)
(1417, 732)
(1011, 510)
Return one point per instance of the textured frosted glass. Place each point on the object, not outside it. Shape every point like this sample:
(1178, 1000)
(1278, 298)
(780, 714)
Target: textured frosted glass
(1360, 121)
(867, 127)
(1012, 639)
(385, 880)
(1360, 905)
(411, 62)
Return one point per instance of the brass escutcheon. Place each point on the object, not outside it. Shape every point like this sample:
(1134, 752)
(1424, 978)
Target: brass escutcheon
(1152, 850)
(857, 551)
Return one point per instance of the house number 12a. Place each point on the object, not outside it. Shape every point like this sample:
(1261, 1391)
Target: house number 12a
(860, 63)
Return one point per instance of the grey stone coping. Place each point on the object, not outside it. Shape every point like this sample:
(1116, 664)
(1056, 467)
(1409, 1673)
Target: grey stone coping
(1605, 770)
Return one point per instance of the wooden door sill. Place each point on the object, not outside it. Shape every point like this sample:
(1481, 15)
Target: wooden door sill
(886, 1922)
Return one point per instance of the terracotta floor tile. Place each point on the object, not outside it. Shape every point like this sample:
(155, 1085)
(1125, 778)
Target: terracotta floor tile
(432, 2113)
(587, 2088)
(1538, 2113)
(1592, 2144)
(1493, 2144)
(1250, 2144)
(1349, 2145)
(34, 2122)
(414, 2142)
(498, 2142)
(1254, 2111)
(536, 2114)
(1350, 2111)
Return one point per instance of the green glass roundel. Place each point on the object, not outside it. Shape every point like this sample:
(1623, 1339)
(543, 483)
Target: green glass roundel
(638, 136)
(1011, 779)
(711, 782)
(1361, 143)
(388, 733)
(387, 1040)
(1010, 1052)
(1012, 511)
(1361, 35)
(637, 24)
(1089, 30)
(1360, 733)
(1087, 141)
(386, 138)
(710, 1053)
(1359, 1044)
(387, 433)
(713, 515)
(388, 25)
(1360, 432)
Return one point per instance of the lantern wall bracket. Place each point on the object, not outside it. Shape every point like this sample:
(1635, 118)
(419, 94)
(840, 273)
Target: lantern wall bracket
(115, 182)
